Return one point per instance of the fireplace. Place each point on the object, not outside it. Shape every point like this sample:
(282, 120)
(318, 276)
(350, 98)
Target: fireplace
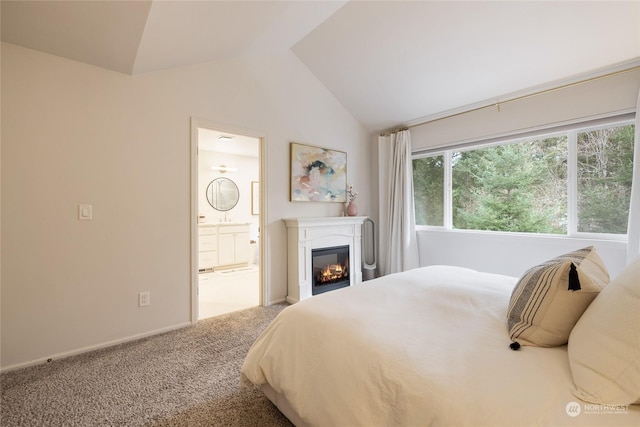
(309, 236)
(330, 267)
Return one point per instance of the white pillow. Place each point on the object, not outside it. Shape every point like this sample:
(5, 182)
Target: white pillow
(604, 346)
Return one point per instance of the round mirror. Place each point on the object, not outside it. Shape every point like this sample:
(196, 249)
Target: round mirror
(222, 194)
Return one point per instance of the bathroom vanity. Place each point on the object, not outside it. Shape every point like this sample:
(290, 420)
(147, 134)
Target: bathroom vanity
(223, 245)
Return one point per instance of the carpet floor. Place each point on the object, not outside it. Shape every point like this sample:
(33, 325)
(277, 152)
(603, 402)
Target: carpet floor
(187, 377)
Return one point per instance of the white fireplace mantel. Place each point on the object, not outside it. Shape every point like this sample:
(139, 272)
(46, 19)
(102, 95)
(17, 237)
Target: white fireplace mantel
(306, 234)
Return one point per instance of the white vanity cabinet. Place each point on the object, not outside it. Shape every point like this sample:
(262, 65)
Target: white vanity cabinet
(207, 247)
(223, 246)
(233, 245)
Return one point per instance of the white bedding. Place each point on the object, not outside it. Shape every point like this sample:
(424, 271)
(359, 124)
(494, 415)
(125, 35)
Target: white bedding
(424, 347)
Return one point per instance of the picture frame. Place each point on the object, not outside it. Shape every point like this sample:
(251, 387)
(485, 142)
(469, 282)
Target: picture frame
(318, 174)
(255, 198)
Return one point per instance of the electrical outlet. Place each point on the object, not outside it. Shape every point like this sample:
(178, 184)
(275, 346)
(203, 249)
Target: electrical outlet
(144, 299)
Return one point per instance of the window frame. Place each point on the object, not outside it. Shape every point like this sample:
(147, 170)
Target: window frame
(571, 131)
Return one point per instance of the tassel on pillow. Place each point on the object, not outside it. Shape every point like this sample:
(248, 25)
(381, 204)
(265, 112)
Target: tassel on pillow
(574, 281)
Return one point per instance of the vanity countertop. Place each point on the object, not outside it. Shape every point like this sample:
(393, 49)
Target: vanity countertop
(218, 224)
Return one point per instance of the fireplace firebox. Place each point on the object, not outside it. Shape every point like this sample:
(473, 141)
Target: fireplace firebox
(330, 267)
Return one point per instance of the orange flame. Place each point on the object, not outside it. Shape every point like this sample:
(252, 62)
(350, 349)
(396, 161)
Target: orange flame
(332, 272)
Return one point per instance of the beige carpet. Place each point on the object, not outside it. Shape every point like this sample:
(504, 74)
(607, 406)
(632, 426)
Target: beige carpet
(188, 377)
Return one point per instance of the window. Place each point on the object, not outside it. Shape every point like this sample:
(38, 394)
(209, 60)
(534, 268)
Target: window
(605, 169)
(524, 186)
(428, 182)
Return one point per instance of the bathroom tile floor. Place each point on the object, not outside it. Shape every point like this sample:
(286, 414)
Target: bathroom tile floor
(228, 290)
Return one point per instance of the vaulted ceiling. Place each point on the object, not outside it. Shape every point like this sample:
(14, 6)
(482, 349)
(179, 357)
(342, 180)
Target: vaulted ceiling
(388, 62)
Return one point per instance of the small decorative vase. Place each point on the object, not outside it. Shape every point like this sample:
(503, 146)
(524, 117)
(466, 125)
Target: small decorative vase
(352, 209)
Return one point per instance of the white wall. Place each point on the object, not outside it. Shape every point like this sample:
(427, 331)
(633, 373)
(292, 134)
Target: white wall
(74, 133)
(510, 254)
(513, 254)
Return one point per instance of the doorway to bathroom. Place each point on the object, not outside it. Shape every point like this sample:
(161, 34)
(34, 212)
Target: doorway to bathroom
(227, 231)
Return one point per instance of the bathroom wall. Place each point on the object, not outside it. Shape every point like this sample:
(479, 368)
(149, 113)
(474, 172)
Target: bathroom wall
(248, 171)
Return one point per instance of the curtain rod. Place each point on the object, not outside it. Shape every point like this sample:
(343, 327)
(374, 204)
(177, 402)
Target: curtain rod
(497, 104)
(396, 130)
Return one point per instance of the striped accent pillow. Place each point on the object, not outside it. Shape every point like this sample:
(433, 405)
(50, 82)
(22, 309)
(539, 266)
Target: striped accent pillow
(549, 298)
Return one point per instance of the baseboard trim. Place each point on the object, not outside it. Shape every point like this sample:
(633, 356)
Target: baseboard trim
(92, 348)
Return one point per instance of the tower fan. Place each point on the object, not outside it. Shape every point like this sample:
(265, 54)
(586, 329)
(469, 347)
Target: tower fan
(368, 249)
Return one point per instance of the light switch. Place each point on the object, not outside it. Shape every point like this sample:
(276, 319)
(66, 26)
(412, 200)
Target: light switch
(85, 212)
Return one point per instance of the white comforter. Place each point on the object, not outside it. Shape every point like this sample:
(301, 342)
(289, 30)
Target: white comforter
(424, 347)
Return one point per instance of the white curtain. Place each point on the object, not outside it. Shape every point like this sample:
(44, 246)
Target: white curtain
(633, 230)
(398, 241)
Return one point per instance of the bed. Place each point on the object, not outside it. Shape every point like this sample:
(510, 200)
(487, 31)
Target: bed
(428, 346)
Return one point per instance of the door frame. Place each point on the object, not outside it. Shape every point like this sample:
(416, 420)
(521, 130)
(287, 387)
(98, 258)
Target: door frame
(197, 123)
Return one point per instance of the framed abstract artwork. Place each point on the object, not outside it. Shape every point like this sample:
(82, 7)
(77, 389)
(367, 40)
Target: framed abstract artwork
(318, 174)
